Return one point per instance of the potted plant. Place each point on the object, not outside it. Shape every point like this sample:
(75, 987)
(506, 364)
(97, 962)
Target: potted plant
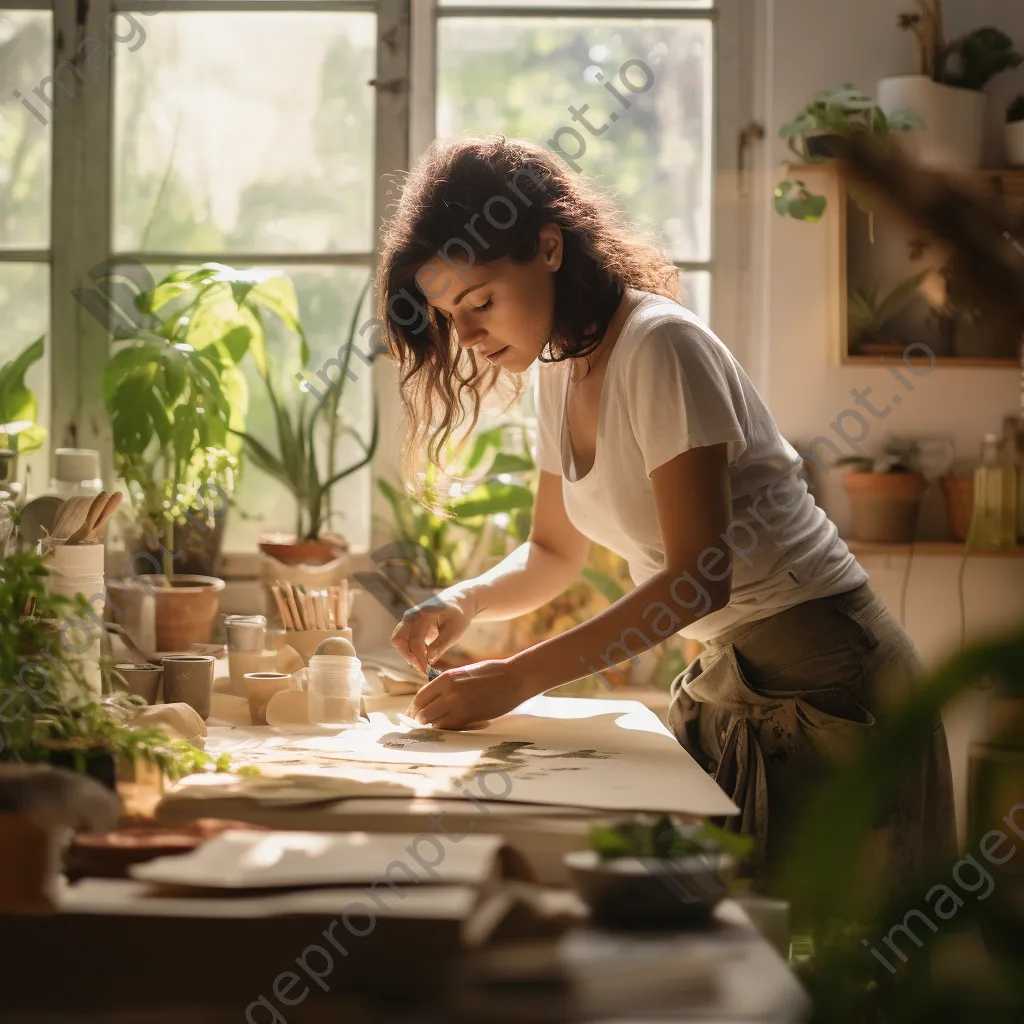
(649, 872)
(1015, 132)
(869, 316)
(308, 423)
(463, 526)
(812, 137)
(947, 90)
(19, 432)
(220, 312)
(172, 391)
(49, 715)
(885, 494)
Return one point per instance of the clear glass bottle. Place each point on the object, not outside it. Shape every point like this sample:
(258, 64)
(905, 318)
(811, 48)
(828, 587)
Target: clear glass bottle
(994, 522)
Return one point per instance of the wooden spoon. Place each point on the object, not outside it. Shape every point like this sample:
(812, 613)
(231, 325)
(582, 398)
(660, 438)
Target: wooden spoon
(80, 536)
(113, 503)
(73, 513)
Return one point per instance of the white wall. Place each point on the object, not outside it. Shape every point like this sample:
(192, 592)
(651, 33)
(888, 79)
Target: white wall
(807, 45)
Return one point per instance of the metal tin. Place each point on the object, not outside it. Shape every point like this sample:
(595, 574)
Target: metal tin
(246, 632)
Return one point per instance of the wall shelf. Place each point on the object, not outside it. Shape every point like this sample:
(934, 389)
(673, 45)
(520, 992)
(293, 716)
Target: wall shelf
(849, 254)
(977, 362)
(948, 548)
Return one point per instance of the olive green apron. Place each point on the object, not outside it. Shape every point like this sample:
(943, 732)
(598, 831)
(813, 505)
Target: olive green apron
(768, 704)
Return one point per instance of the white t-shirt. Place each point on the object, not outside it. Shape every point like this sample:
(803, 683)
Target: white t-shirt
(671, 385)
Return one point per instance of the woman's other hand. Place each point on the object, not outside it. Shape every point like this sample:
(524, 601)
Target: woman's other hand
(470, 696)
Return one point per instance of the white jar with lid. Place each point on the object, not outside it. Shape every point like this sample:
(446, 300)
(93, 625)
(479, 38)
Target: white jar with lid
(76, 472)
(335, 684)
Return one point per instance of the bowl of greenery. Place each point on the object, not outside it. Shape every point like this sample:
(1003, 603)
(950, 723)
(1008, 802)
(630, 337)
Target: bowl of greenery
(659, 873)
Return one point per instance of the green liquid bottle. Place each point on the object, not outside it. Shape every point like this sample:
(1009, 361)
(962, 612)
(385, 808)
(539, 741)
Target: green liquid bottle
(994, 522)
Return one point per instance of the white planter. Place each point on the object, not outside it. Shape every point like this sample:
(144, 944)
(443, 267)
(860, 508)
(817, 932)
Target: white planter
(77, 569)
(1015, 144)
(953, 135)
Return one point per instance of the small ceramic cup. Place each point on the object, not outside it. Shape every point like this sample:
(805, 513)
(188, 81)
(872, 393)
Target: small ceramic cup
(188, 679)
(141, 679)
(259, 688)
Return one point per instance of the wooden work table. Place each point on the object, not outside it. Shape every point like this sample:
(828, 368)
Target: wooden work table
(124, 953)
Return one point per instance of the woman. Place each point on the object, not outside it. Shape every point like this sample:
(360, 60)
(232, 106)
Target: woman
(653, 442)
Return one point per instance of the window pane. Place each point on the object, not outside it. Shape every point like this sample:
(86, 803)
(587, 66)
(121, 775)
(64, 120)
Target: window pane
(26, 57)
(520, 76)
(697, 293)
(24, 316)
(249, 132)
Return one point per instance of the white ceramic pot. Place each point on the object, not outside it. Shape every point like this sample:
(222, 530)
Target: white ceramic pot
(1015, 143)
(953, 135)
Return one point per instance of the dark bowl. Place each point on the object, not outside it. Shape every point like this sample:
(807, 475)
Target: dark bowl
(650, 892)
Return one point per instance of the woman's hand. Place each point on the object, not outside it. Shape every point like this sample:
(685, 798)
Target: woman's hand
(429, 629)
(462, 698)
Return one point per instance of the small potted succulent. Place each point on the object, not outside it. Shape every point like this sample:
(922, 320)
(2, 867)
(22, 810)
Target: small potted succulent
(947, 91)
(1015, 132)
(885, 493)
(869, 316)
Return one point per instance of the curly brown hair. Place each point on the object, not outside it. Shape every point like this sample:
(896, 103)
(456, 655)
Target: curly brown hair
(445, 211)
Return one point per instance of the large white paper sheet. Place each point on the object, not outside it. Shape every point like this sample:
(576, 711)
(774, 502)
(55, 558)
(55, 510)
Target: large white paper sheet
(607, 755)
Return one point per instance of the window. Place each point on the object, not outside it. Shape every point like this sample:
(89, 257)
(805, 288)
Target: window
(260, 132)
(26, 56)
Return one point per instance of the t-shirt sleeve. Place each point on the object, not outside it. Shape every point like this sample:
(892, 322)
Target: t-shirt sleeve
(547, 451)
(683, 391)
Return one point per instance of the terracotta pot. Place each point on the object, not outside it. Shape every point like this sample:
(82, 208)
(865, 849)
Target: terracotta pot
(884, 506)
(29, 863)
(186, 611)
(959, 494)
(288, 549)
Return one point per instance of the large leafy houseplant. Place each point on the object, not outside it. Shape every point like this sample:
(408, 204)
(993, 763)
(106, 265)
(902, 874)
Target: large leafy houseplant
(309, 424)
(173, 392)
